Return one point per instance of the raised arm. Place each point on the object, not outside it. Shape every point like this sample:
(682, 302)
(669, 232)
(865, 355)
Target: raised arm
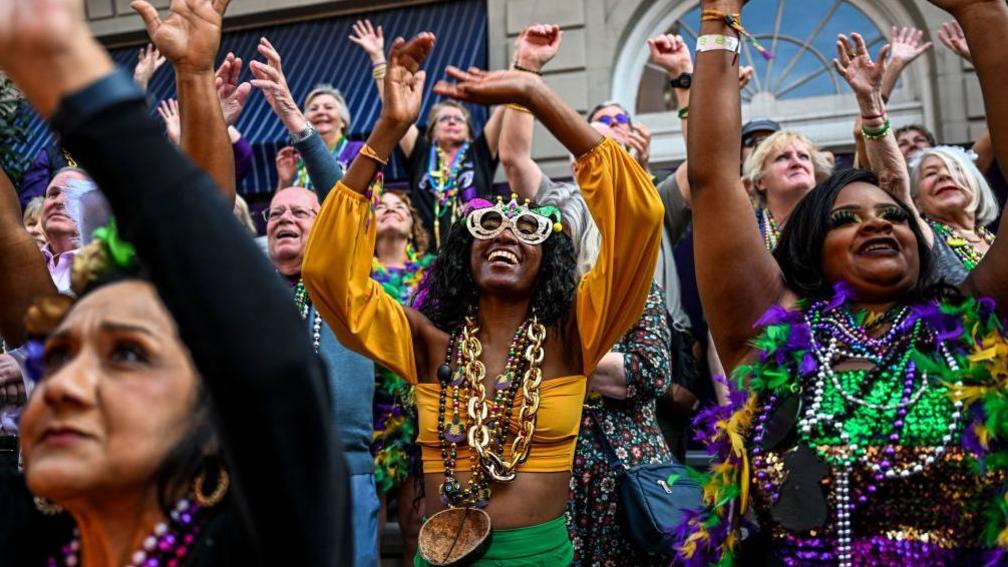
(322, 166)
(148, 62)
(534, 47)
(737, 277)
(263, 379)
(984, 23)
(190, 37)
(951, 35)
(905, 46)
(618, 192)
(372, 41)
(340, 250)
(23, 273)
(865, 78)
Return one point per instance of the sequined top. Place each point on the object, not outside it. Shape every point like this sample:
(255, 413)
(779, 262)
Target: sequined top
(860, 441)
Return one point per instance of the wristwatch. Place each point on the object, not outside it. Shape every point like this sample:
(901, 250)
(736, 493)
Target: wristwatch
(683, 81)
(303, 135)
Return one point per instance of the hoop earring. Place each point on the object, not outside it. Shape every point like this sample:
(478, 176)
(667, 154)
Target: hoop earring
(46, 507)
(214, 498)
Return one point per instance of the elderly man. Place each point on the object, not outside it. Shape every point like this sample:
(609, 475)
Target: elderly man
(28, 275)
(289, 220)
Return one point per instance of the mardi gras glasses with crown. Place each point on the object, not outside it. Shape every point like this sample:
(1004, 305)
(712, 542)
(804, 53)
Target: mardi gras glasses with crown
(486, 220)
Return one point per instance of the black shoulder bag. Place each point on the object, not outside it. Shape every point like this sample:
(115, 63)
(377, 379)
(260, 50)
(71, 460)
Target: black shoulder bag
(653, 497)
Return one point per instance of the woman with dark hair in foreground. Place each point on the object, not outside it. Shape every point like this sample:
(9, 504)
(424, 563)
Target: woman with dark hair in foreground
(168, 426)
(505, 334)
(869, 430)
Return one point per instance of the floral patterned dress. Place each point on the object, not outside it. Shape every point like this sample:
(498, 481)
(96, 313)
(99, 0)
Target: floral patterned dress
(631, 429)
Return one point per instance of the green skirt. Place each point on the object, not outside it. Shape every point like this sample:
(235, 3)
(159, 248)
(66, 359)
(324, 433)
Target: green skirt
(544, 545)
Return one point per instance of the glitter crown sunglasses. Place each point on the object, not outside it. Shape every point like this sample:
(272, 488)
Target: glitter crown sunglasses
(486, 220)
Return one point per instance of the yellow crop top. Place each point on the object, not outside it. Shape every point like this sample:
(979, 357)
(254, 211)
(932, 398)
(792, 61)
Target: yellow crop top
(610, 297)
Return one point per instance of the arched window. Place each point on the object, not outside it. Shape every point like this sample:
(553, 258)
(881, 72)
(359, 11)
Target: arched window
(797, 86)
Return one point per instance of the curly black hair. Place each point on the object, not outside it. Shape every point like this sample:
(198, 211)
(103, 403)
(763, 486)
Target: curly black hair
(449, 291)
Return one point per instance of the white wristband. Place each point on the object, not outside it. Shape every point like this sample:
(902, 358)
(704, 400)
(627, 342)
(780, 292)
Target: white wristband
(714, 42)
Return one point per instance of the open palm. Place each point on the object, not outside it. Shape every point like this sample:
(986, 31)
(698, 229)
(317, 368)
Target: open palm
(190, 36)
(404, 80)
(494, 87)
(856, 66)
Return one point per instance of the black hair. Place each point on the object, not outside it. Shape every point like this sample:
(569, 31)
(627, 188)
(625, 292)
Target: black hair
(449, 291)
(199, 450)
(799, 250)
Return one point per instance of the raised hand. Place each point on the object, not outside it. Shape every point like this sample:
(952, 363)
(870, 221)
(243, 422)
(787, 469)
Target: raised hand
(286, 166)
(190, 36)
(232, 94)
(745, 74)
(404, 79)
(12, 389)
(856, 66)
(370, 39)
(270, 79)
(169, 111)
(952, 37)
(671, 54)
(537, 45)
(906, 45)
(148, 62)
(639, 141)
(495, 87)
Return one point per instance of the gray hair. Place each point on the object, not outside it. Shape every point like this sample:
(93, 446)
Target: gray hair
(341, 105)
(959, 162)
(574, 211)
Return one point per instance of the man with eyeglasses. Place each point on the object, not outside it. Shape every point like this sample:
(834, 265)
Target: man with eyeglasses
(289, 221)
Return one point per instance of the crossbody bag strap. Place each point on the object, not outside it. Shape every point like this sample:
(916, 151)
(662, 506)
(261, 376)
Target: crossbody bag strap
(614, 461)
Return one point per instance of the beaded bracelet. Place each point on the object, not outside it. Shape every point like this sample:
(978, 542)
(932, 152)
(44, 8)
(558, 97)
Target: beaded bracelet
(368, 152)
(876, 134)
(519, 108)
(683, 112)
(712, 42)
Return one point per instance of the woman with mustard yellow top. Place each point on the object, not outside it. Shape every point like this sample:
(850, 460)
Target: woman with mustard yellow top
(505, 335)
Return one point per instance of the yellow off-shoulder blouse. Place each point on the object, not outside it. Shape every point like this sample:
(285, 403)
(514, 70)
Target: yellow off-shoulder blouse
(610, 298)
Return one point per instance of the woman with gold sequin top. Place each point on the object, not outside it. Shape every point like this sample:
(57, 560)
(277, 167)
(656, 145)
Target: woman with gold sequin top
(865, 428)
(505, 335)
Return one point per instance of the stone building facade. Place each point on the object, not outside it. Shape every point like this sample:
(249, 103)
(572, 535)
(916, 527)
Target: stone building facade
(604, 57)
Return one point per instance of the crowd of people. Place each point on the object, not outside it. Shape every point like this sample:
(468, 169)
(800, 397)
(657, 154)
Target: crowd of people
(495, 369)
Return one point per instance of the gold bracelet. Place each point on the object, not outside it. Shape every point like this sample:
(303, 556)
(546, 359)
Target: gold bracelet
(368, 152)
(519, 108)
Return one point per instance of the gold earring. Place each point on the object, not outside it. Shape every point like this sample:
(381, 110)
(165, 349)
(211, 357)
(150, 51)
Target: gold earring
(214, 498)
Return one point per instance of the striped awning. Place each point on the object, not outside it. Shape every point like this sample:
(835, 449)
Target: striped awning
(318, 51)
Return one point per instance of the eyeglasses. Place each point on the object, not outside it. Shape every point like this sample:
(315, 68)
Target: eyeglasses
(528, 227)
(297, 212)
(446, 118)
(613, 120)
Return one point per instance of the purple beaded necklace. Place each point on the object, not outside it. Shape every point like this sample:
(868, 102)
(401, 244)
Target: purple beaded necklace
(167, 546)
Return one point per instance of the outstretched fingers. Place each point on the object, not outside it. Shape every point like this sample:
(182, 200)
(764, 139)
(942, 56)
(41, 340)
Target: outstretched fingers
(148, 14)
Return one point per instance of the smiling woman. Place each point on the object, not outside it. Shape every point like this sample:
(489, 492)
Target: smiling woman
(862, 383)
(958, 204)
(501, 312)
